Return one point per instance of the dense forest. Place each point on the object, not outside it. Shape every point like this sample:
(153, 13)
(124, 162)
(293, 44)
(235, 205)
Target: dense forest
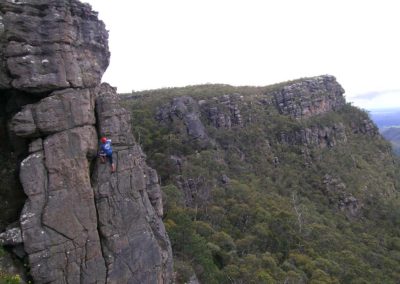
(255, 193)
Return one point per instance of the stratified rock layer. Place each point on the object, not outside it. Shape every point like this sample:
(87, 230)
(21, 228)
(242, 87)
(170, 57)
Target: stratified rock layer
(49, 45)
(309, 97)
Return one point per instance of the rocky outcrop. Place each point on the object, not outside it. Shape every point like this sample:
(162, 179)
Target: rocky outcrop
(129, 206)
(48, 45)
(12, 236)
(184, 114)
(60, 111)
(80, 223)
(225, 112)
(316, 136)
(187, 117)
(309, 97)
(59, 222)
(337, 194)
(366, 126)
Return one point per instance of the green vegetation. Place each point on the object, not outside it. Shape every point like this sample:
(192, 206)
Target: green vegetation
(9, 279)
(6, 278)
(287, 212)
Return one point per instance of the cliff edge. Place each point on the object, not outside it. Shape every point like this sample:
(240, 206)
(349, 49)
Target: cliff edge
(80, 223)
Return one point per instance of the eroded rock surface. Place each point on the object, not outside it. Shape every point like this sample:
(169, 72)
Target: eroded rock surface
(309, 97)
(226, 112)
(62, 110)
(80, 223)
(59, 222)
(48, 45)
(316, 136)
(184, 114)
(135, 244)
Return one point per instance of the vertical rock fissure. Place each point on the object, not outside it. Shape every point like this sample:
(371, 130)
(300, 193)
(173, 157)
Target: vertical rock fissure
(12, 196)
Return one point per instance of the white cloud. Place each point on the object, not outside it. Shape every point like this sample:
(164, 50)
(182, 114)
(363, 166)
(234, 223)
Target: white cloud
(156, 43)
(378, 100)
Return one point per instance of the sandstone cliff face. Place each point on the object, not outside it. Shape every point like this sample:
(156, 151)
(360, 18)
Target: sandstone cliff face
(300, 100)
(80, 223)
(310, 97)
(129, 205)
(48, 45)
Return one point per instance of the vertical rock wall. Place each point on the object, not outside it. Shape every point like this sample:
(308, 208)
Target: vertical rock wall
(310, 97)
(135, 245)
(80, 223)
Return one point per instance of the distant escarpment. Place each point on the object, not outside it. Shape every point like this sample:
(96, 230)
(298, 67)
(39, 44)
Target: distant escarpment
(279, 184)
(80, 223)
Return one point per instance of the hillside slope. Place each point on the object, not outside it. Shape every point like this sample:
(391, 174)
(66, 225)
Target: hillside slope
(277, 184)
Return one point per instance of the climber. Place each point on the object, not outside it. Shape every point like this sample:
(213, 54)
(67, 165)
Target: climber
(106, 152)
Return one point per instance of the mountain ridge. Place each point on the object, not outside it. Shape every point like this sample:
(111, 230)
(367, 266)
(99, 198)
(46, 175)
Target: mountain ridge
(291, 164)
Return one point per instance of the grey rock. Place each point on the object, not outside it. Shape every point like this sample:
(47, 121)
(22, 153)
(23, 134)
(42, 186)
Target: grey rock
(11, 237)
(366, 127)
(36, 145)
(225, 179)
(129, 205)
(23, 124)
(316, 136)
(194, 280)
(62, 110)
(350, 205)
(218, 118)
(309, 97)
(48, 45)
(76, 227)
(59, 222)
(226, 113)
(113, 121)
(185, 110)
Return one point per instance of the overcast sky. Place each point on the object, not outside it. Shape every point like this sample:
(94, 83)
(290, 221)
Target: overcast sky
(172, 43)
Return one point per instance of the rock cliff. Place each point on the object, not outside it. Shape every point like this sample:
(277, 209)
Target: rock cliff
(309, 97)
(80, 222)
(300, 100)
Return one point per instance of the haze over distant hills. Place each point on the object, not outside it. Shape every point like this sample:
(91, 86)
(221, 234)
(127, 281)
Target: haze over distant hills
(388, 121)
(386, 117)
